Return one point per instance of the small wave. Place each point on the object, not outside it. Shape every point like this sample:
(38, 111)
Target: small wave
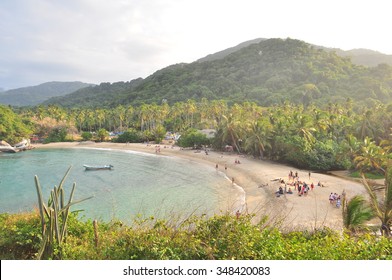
(240, 203)
(121, 151)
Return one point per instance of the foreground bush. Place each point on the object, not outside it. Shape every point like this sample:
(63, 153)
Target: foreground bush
(219, 237)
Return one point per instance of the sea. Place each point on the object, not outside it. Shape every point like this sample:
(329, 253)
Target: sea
(139, 185)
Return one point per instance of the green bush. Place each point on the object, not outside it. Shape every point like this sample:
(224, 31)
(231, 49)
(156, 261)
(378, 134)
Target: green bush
(193, 138)
(131, 136)
(58, 134)
(322, 156)
(219, 237)
(20, 236)
(86, 135)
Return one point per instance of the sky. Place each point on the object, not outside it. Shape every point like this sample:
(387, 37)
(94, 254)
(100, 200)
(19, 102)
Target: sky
(96, 41)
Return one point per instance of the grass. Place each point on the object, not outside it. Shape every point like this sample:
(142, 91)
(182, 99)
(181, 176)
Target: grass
(373, 176)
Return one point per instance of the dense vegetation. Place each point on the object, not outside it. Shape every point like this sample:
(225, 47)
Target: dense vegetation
(318, 138)
(12, 127)
(267, 73)
(219, 237)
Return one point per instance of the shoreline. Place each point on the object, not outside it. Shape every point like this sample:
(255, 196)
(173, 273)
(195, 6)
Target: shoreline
(258, 179)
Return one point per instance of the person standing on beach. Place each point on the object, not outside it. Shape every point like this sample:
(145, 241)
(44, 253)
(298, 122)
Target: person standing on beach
(344, 194)
(216, 166)
(338, 202)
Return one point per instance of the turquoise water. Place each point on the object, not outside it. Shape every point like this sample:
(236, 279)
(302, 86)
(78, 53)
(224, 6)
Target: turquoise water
(150, 185)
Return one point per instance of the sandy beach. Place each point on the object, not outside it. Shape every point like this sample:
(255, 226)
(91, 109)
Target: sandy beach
(259, 179)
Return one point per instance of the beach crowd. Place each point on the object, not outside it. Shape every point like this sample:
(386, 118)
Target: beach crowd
(302, 188)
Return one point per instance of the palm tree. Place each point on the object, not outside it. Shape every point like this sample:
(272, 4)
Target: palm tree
(99, 116)
(217, 110)
(370, 156)
(120, 115)
(322, 122)
(382, 206)
(365, 129)
(303, 126)
(90, 119)
(355, 213)
(143, 116)
(257, 141)
(190, 107)
(129, 116)
(231, 128)
(80, 118)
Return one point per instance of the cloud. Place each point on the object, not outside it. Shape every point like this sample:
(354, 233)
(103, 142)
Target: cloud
(99, 40)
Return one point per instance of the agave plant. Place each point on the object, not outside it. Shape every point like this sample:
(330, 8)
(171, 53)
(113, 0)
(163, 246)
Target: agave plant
(54, 216)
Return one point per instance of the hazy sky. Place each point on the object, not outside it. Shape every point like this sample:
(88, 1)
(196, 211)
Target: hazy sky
(119, 40)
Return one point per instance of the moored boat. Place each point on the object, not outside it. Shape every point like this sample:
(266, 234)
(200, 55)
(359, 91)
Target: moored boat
(98, 167)
(6, 148)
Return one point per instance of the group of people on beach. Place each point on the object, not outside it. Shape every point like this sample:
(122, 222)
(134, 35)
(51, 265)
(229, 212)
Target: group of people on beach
(335, 199)
(303, 188)
(295, 184)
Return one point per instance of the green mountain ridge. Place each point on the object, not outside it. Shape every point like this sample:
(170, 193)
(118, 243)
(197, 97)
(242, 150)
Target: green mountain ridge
(34, 95)
(224, 53)
(269, 72)
(363, 57)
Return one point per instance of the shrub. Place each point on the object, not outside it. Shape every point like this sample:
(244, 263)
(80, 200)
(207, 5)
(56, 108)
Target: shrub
(86, 135)
(19, 236)
(219, 237)
(193, 138)
(58, 134)
(131, 136)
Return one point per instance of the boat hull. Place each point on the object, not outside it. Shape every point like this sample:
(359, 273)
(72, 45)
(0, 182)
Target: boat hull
(92, 168)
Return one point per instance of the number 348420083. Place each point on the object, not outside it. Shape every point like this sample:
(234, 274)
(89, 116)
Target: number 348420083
(229, 270)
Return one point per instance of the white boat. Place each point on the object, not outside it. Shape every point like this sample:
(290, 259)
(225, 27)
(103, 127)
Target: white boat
(7, 149)
(98, 167)
(23, 145)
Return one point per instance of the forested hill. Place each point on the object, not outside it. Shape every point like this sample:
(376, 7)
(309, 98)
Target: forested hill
(222, 54)
(34, 95)
(267, 73)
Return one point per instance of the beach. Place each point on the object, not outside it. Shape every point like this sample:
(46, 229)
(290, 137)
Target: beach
(259, 179)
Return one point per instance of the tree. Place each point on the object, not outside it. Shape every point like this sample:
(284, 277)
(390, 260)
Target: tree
(159, 133)
(355, 213)
(231, 127)
(193, 138)
(382, 206)
(12, 129)
(57, 134)
(370, 157)
(131, 135)
(87, 135)
(257, 139)
(102, 134)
